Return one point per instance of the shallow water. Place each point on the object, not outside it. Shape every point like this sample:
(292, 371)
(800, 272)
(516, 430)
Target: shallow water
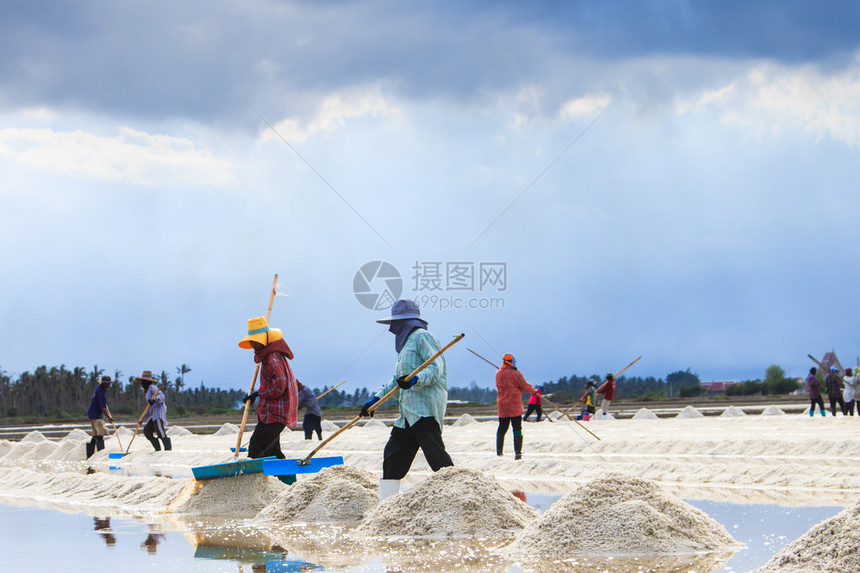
(43, 539)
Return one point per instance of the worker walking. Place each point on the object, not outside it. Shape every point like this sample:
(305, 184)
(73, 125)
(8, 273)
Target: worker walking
(313, 415)
(813, 386)
(156, 414)
(423, 398)
(278, 393)
(535, 405)
(98, 409)
(510, 385)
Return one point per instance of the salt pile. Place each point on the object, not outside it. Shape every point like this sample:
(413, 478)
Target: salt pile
(33, 437)
(227, 429)
(77, 435)
(554, 415)
(174, 431)
(733, 412)
(620, 515)
(464, 420)
(124, 432)
(644, 414)
(453, 502)
(600, 415)
(329, 426)
(689, 412)
(243, 495)
(773, 411)
(832, 545)
(5, 447)
(335, 494)
(375, 424)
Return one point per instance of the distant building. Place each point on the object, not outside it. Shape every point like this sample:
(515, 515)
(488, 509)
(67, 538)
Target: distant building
(717, 388)
(831, 360)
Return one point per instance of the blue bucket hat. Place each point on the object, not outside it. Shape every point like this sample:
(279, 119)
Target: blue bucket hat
(403, 309)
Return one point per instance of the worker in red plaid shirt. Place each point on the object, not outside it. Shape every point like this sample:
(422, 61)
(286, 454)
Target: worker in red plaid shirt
(510, 384)
(278, 393)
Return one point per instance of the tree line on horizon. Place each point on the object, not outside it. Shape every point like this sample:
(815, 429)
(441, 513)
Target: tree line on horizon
(62, 393)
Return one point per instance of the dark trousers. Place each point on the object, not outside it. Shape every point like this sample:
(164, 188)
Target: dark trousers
(154, 429)
(813, 401)
(533, 408)
(403, 444)
(266, 441)
(849, 408)
(311, 424)
(516, 423)
(836, 398)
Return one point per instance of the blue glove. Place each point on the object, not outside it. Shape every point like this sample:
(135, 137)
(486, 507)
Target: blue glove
(152, 402)
(407, 384)
(251, 397)
(365, 410)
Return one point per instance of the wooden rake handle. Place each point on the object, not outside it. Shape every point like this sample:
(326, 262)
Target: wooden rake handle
(256, 372)
(305, 461)
(570, 418)
(330, 389)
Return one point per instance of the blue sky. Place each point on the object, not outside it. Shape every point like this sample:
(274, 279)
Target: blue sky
(666, 179)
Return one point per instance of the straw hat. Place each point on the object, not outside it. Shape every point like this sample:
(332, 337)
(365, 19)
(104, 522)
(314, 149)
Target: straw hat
(105, 380)
(259, 331)
(147, 375)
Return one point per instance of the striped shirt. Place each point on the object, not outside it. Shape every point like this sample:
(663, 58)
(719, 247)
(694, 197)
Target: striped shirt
(158, 410)
(279, 399)
(429, 396)
(511, 384)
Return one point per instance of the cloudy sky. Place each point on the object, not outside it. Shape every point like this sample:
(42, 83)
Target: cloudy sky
(602, 180)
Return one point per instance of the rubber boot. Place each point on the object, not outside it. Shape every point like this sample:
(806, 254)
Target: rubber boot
(518, 447)
(388, 487)
(91, 448)
(100, 443)
(823, 415)
(811, 412)
(155, 444)
(500, 444)
(167, 445)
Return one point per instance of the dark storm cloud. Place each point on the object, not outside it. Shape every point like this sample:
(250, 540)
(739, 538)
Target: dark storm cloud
(218, 61)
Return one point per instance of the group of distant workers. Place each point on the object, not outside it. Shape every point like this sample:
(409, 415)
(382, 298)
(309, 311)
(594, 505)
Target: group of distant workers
(842, 390)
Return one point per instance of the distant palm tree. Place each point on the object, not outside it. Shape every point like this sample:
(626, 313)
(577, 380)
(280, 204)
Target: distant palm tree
(182, 371)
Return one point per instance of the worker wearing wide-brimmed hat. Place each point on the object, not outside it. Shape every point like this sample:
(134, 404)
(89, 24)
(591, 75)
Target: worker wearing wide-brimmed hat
(156, 414)
(278, 393)
(423, 398)
(98, 408)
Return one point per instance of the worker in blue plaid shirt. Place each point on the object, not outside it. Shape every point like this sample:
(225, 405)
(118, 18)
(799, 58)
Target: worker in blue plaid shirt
(423, 398)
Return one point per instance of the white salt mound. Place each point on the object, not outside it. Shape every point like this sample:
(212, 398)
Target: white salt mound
(600, 415)
(623, 516)
(733, 412)
(831, 546)
(375, 424)
(124, 432)
(33, 437)
(689, 412)
(339, 494)
(329, 426)
(76, 435)
(452, 503)
(464, 420)
(644, 414)
(227, 429)
(5, 447)
(174, 431)
(773, 411)
(554, 415)
(236, 496)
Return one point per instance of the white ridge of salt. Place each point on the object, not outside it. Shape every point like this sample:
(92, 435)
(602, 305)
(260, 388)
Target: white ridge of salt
(554, 415)
(329, 426)
(34, 436)
(464, 420)
(76, 435)
(338, 494)
(620, 515)
(689, 412)
(830, 546)
(452, 503)
(242, 495)
(733, 412)
(599, 416)
(375, 424)
(645, 414)
(124, 432)
(227, 429)
(175, 431)
(773, 411)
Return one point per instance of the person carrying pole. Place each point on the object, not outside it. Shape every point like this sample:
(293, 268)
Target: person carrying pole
(608, 391)
(278, 393)
(313, 415)
(588, 400)
(98, 408)
(535, 402)
(833, 381)
(155, 416)
(510, 385)
(423, 398)
(813, 386)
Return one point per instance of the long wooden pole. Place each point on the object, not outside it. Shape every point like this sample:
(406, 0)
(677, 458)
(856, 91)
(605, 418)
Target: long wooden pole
(496, 367)
(569, 417)
(617, 374)
(330, 389)
(256, 372)
(354, 421)
(140, 420)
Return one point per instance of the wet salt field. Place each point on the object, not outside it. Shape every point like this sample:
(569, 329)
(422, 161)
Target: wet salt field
(38, 539)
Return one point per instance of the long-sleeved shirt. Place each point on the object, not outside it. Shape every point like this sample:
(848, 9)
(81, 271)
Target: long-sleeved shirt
(834, 384)
(98, 403)
(429, 396)
(278, 389)
(813, 385)
(308, 401)
(510, 385)
(157, 410)
(850, 391)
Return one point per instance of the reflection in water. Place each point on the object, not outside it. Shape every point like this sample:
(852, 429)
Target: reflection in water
(245, 546)
(152, 541)
(103, 524)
